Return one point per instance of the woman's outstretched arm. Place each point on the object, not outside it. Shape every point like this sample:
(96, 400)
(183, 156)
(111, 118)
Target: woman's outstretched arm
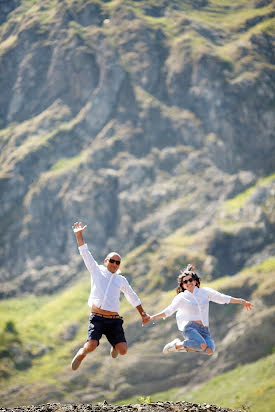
(172, 308)
(157, 316)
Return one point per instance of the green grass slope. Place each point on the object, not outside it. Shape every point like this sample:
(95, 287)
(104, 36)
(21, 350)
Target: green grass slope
(32, 330)
(250, 387)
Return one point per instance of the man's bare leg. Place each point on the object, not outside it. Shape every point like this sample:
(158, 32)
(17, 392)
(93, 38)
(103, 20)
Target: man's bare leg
(89, 346)
(120, 348)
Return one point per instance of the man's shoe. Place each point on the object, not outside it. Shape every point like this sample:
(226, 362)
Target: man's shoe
(77, 360)
(113, 352)
(171, 346)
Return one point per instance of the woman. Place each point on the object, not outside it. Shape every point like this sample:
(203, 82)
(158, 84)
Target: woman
(192, 307)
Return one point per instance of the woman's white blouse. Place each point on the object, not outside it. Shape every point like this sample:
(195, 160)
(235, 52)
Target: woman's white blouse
(194, 306)
(106, 286)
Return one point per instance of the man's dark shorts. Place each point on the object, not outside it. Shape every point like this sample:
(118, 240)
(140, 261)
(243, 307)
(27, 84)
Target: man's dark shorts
(111, 328)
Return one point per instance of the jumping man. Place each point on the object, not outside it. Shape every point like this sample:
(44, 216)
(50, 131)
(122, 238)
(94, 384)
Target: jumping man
(104, 301)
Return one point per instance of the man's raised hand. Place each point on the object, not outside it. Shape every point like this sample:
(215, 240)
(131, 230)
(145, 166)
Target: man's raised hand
(78, 228)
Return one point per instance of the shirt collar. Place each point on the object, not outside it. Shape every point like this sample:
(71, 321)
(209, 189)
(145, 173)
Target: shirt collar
(195, 291)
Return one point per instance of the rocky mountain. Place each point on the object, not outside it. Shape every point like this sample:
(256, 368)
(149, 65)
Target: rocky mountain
(137, 118)
(152, 122)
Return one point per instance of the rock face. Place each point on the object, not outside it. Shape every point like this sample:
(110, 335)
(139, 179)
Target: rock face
(111, 119)
(104, 407)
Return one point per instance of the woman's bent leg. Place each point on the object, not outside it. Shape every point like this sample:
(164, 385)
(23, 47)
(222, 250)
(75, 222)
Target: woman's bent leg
(193, 339)
(210, 343)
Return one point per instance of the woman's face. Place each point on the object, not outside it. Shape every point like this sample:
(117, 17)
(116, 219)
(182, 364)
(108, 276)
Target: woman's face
(188, 283)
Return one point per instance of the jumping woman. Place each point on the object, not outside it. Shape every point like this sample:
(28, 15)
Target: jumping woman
(192, 306)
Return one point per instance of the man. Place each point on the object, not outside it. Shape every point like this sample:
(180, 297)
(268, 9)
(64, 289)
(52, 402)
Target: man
(104, 300)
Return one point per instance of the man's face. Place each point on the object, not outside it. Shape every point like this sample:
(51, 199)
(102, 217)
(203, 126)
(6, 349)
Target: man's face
(112, 262)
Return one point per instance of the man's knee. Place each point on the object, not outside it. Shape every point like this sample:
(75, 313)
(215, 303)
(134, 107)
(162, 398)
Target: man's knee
(90, 345)
(123, 351)
(121, 348)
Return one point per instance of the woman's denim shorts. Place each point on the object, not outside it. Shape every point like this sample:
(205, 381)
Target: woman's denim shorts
(195, 334)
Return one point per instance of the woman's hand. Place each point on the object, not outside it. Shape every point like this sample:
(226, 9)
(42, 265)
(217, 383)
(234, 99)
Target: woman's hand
(248, 305)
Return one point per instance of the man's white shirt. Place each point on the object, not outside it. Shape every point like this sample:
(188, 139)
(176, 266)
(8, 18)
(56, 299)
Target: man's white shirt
(106, 286)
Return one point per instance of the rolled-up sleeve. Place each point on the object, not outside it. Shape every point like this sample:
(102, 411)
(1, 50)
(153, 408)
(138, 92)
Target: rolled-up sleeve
(217, 297)
(130, 295)
(173, 307)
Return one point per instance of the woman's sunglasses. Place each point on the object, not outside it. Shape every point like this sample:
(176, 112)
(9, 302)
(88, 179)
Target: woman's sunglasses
(114, 261)
(188, 280)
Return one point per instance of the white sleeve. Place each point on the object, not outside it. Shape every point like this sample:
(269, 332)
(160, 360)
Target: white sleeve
(89, 261)
(217, 297)
(173, 307)
(130, 295)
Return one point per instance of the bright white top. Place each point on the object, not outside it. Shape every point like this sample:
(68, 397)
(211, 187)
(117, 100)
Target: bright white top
(106, 286)
(194, 306)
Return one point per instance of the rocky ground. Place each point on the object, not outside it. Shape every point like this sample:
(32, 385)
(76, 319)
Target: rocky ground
(104, 407)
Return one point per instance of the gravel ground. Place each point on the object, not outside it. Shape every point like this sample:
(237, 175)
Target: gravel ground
(105, 407)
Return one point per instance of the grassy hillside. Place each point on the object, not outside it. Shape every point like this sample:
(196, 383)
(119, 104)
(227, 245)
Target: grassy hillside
(250, 387)
(35, 352)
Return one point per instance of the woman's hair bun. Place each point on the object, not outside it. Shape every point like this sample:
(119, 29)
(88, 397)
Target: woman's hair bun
(190, 267)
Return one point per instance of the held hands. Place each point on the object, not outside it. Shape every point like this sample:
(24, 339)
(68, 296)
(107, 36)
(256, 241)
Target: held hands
(145, 319)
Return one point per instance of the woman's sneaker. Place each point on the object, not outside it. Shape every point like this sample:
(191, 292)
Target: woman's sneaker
(171, 346)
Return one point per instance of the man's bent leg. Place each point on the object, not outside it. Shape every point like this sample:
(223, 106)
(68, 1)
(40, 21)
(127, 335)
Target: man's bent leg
(89, 346)
(115, 334)
(119, 348)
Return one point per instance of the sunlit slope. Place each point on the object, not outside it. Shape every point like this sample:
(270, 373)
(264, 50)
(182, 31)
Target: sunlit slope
(250, 387)
(41, 337)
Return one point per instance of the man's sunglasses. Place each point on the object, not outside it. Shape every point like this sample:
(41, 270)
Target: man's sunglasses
(188, 280)
(114, 261)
